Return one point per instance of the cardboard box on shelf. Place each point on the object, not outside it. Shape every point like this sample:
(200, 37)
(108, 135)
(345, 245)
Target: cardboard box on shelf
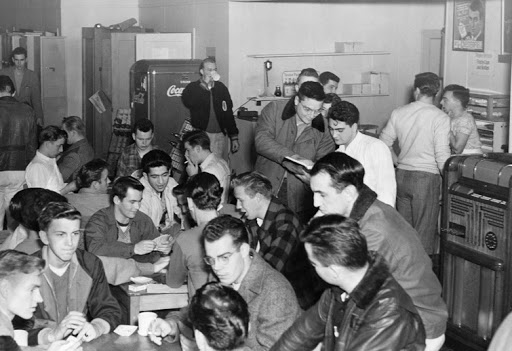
(352, 89)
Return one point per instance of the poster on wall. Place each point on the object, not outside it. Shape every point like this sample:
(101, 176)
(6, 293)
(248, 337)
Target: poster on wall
(469, 25)
(506, 27)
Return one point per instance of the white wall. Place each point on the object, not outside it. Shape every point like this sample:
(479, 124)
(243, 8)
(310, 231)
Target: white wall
(298, 27)
(76, 14)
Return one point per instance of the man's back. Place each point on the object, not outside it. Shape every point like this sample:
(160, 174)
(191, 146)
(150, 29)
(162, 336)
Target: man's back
(422, 131)
(88, 204)
(18, 139)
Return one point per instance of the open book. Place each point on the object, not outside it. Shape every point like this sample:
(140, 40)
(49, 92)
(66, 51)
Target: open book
(297, 165)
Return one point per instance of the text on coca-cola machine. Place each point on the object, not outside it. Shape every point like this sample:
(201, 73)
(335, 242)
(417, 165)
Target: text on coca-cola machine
(155, 93)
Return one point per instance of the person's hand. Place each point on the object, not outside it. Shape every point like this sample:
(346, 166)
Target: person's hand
(66, 345)
(74, 321)
(235, 146)
(304, 177)
(88, 333)
(143, 247)
(161, 263)
(165, 246)
(160, 329)
(192, 168)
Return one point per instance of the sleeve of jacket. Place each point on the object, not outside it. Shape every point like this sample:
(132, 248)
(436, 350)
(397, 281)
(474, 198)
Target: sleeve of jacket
(68, 164)
(265, 135)
(36, 97)
(30, 150)
(187, 95)
(95, 232)
(177, 270)
(229, 118)
(285, 239)
(101, 304)
(308, 330)
(326, 144)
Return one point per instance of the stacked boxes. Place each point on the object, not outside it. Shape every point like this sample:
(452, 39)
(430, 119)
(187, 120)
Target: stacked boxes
(348, 46)
(376, 83)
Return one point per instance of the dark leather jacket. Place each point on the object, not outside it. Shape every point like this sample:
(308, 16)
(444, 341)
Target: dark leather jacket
(378, 315)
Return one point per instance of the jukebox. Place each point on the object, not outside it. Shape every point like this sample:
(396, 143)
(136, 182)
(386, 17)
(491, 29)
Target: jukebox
(476, 246)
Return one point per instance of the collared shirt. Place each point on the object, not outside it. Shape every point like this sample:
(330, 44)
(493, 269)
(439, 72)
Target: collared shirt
(379, 172)
(220, 169)
(42, 172)
(155, 205)
(129, 161)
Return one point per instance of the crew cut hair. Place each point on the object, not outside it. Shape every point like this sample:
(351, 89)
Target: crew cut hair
(90, 172)
(253, 183)
(144, 125)
(14, 262)
(197, 138)
(459, 92)
(74, 123)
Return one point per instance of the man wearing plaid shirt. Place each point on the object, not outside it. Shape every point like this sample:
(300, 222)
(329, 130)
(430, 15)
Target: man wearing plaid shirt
(274, 232)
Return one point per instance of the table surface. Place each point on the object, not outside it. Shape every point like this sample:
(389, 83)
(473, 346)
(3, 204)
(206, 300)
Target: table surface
(134, 342)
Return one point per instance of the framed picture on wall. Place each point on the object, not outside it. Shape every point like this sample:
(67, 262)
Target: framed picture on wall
(469, 25)
(506, 27)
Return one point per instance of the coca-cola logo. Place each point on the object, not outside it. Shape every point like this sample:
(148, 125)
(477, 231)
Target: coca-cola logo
(174, 91)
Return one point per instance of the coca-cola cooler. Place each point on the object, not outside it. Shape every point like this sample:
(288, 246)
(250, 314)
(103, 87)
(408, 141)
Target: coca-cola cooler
(155, 93)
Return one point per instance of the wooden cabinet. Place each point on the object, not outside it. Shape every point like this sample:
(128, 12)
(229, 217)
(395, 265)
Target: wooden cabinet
(107, 56)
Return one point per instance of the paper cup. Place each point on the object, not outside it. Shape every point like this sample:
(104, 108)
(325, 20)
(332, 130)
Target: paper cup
(21, 337)
(145, 320)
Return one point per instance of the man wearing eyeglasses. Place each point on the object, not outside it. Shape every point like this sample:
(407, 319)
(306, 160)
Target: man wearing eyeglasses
(272, 303)
(294, 129)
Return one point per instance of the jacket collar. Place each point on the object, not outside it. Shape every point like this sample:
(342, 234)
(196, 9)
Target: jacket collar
(290, 111)
(8, 99)
(363, 202)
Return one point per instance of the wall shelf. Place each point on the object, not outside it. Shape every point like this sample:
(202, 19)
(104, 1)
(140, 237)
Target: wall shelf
(275, 98)
(321, 54)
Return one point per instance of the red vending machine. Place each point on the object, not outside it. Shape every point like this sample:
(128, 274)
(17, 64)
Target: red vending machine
(155, 93)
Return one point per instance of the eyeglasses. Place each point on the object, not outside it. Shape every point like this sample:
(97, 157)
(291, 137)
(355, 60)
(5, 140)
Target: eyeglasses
(223, 259)
(308, 111)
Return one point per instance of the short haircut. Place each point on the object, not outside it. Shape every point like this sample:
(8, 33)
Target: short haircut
(51, 133)
(197, 138)
(478, 5)
(74, 123)
(206, 60)
(307, 72)
(27, 204)
(336, 240)
(122, 184)
(331, 98)
(459, 92)
(326, 76)
(221, 314)
(156, 158)
(253, 183)
(19, 51)
(57, 210)
(144, 125)
(428, 83)
(14, 262)
(205, 191)
(343, 170)
(311, 90)
(6, 85)
(226, 225)
(344, 111)
(90, 172)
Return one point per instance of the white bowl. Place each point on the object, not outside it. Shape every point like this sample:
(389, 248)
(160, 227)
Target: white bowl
(141, 280)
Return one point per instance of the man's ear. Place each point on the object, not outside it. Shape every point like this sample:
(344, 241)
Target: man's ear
(201, 342)
(44, 237)
(296, 100)
(133, 136)
(116, 200)
(4, 288)
(351, 192)
(245, 249)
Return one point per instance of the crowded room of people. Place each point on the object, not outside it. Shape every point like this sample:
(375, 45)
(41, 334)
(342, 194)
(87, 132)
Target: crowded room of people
(266, 175)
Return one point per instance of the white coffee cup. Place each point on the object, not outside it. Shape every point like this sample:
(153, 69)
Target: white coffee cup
(145, 320)
(215, 76)
(21, 337)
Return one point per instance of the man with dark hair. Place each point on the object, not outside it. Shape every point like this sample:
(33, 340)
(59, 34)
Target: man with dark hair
(423, 132)
(476, 21)
(204, 193)
(220, 318)
(199, 157)
(42, 171)
(79, 151)
(211, 108)
(92, 182)
(337, 184)
(20, 281)
(272, 303)
(329, 81)
(131, 157)
(18, 143)
(294, 129)
(373, 154)
(158, 201)
(27, 87)
(121, 230)
(365, 308)
(75, 291)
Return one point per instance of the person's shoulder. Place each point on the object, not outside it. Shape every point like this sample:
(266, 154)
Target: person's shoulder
(88, 261)
(142, 218)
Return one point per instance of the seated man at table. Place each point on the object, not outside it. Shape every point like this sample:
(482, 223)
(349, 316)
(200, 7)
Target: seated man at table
(121, 230)
(365, 308)
(220, 318)
(75, 291)
(158, 201)
(92, 182)
(20, 281)
(273, 306)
